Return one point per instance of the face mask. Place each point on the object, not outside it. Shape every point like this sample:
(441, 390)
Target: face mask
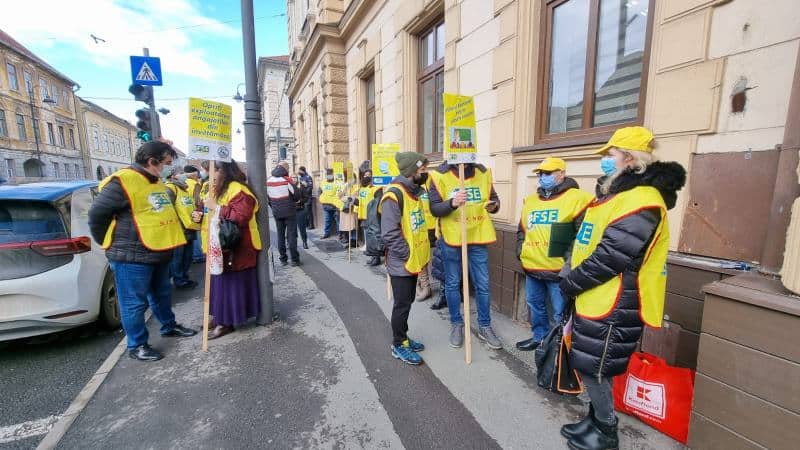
(165, 171)
(366, 181)
(329, 178)
(182, 178)
(203, 174)
(420, 179)
(608, 165)
(547, 181)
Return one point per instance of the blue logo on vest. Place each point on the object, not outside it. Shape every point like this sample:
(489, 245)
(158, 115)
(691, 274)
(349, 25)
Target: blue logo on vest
(585, 233)
(542, 217)
(417, 220)
(473, 194)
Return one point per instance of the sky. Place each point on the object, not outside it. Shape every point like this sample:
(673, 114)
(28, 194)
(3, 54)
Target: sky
(199, 43)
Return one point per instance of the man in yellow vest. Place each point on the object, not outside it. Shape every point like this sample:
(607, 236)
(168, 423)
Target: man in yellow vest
(405, 237)
(331, 204)
(558, 200)
(480, 199)
(136, 223)
(183, 193)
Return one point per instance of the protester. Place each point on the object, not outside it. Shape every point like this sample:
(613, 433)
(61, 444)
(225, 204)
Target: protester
(372, 230)
(304, 197)
(198, 256)
(618, 274)
(424, 291)
(446, 198)
(283, 199)
(405, 236)
(365, 192)
(302, 175)
(348, 191)
(138, 227)
(329, 197)
(234, 292)
(557, 200)
(183, 197)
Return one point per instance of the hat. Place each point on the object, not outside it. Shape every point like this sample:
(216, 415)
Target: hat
(409, 162)
(551, 164)
(631, 139)
(190, 169)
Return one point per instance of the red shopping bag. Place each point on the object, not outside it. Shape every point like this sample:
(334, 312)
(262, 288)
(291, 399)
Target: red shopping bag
(658, 394)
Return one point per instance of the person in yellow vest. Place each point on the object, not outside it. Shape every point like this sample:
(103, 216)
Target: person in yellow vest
(364, 194)
(424, 280)
(202, 179)
(348, 190)
(480, 199)
(558, 200)
(183, 192)
(329, 198)
(234, 291)
(135, 222)
(617, 273)
(405, 237)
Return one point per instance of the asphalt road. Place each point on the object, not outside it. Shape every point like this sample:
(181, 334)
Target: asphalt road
(40, 376)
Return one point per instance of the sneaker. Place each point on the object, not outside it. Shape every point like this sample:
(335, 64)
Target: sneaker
(487, 334)
(415, 346)
(404, 353)
(456, 336)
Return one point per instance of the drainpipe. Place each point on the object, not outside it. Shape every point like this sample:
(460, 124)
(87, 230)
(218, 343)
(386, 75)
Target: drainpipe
(786, 183)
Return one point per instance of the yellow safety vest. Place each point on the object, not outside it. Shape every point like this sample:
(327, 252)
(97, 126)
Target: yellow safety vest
(330, 194)
(599, 302)
(153, 215)
(415, 232)
(184, 206)
(191, 183)
(365, 195)
(537, 217)
(480, 229)
(234, 188)
(432, 222)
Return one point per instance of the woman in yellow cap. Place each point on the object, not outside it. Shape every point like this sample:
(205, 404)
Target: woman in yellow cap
(617, 273)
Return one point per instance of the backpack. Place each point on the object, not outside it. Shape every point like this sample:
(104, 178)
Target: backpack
(372, 230)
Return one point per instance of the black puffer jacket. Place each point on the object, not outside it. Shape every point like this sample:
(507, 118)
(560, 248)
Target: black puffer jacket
(126, 246)
(602, 348)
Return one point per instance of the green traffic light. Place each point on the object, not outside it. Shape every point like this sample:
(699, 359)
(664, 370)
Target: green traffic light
(144, 136)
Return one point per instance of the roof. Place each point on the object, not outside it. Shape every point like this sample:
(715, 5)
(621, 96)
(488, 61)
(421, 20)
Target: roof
(284, 59)
(100, 110)
(46, 191)
(11, 43)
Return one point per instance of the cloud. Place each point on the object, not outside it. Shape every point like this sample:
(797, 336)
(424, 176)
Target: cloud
(125, 26)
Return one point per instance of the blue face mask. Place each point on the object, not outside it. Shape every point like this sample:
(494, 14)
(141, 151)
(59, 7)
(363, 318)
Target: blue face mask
(547, 181)
(608, 165)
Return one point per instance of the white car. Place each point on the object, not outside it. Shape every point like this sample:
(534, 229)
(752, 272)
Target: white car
(52, 276)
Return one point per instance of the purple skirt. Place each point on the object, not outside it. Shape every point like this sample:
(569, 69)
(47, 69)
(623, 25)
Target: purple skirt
(235, 297)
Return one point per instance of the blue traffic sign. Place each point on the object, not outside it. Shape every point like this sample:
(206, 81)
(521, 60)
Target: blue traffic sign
(146, 71)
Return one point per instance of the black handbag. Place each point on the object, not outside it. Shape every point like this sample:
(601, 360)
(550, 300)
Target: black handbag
(553, 370)
(229, 234)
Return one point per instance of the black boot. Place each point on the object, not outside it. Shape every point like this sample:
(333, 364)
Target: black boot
(440, 303)
(599, 436)
(374, 261)
(574, 429)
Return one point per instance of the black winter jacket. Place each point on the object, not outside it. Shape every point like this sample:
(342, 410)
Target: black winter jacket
(602, 348)
(282, 194)
(112, 203)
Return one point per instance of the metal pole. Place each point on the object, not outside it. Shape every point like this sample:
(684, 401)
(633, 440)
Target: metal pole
(256, 163)
(35, 128)
(154, 122)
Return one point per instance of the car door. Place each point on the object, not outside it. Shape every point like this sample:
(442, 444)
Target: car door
(93, 263)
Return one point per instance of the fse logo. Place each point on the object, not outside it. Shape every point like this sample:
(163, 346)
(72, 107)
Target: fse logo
(542, 217)
(585, 233)
(646, 397)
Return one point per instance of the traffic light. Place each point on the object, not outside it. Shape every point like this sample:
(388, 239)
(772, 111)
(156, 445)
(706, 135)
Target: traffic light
(144, 125)
(141, 93)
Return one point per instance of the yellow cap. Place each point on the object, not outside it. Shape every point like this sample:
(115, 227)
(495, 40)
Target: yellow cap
(551, 164)
(629, 138)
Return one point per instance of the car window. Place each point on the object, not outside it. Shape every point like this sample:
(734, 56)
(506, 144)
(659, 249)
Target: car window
(27, 221)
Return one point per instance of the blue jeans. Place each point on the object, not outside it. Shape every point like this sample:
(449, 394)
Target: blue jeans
(536, 292)
(181, 263)
(198, 255)
(478, 275)
(138, 285)
(331, 220)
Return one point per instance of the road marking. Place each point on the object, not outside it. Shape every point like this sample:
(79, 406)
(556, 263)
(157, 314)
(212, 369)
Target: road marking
(28, 429)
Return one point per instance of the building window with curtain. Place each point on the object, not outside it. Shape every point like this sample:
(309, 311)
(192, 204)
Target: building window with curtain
(28, 83)
(43, 89)
(595, 66)
(431, 88)
(13, 83)
(21, 132)
(62, 141)
(371, 132)
(54, 93)
(51, 135)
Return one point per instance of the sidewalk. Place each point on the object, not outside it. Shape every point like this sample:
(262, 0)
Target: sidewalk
(322, 376)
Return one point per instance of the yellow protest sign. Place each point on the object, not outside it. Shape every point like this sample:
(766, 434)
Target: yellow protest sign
(384, 166)
(460, 142)
(338, 171)
(209, 130)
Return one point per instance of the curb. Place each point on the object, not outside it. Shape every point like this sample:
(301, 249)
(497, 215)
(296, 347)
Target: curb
(60, 428)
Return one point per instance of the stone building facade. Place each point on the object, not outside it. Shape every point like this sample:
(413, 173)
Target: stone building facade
(38, 120)
(110, 141)
(275, 108)
(715, 80)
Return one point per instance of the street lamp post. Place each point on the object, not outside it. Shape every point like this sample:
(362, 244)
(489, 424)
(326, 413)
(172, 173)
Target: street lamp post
(35, 127)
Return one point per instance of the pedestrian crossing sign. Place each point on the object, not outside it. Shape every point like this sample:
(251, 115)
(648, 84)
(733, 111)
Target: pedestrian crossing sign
(146, 71)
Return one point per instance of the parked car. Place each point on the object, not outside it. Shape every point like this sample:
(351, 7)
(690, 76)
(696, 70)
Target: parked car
(52, 277)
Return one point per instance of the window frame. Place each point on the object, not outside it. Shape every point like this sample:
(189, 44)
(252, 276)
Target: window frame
(72, 138)
(10, 166)
(15, 85)
(425, 74)
(586, 134)
(43, 91)
(27, 80)
(51, 134)
(3, 124)
(372, 135)
(62, 138)
(22, 132)
(56, 170)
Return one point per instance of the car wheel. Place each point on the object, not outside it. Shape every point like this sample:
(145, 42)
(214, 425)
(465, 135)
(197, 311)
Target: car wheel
(109, 307)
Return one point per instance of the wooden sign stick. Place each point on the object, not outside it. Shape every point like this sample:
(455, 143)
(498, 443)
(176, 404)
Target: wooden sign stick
(465, 274)
(207, 282)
